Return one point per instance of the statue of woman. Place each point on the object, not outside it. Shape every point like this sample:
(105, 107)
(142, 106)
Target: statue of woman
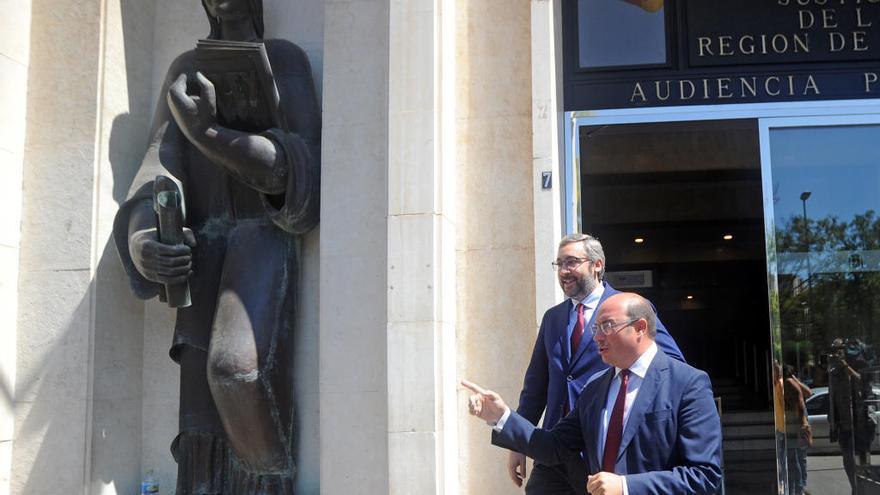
(247, 196)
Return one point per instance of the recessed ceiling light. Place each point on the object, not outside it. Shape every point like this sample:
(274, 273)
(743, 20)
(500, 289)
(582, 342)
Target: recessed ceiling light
(639, 240)
(690, 297)
(727, 237)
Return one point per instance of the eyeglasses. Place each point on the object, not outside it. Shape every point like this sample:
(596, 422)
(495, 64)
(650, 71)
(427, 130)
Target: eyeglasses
(608, 327)
(569, 263)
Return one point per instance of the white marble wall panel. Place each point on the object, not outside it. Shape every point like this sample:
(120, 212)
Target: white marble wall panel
(14, 52)
(51, 448)
(122, 127)
(411, 465)
(161, 401)
(51, 444)
(547, 148)
(421, 257)
(353, 388)
(15, 30)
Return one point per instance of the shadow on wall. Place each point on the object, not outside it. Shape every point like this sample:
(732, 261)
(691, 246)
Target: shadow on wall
(5, 393)
(100, 338)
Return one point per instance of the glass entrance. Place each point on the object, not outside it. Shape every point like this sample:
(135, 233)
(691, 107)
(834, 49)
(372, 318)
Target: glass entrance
(821, 186)
(678, 209)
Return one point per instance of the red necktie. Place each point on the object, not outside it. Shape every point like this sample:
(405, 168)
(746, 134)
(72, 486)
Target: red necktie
(576, 333)
(578, 330)
(615, 426)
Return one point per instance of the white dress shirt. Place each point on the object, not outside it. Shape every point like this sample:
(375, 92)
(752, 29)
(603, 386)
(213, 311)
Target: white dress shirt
(637, 373)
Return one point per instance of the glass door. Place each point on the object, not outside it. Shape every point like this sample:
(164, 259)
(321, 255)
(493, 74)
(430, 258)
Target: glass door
(821, 187)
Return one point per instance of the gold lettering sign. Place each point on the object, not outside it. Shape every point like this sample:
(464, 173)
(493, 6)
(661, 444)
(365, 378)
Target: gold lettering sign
(804, 31)
(742, 88)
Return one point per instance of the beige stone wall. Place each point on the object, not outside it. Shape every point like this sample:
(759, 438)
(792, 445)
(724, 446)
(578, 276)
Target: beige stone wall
(14, 61)
(496, 247)
(52, 405)
(78, 387)
(432, 156)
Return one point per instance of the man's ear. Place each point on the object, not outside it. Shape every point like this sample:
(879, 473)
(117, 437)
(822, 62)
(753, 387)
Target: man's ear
(641, 325)
(598, 266)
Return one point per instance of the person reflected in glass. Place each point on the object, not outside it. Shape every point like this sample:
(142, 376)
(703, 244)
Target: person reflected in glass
(847, 415)
(798, 433)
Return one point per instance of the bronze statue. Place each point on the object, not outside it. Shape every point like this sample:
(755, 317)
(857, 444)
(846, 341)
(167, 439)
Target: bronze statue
(245, 195)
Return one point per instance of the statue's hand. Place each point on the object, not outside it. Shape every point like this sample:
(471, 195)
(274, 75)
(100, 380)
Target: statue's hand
(194, 114)
(159, 262)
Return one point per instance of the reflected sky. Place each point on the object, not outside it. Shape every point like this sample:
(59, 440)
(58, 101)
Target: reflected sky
(839, 165)
(614, 33)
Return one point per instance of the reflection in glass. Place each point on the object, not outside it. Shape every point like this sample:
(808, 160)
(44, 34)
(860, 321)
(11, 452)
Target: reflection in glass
(613, 33)
(826, 184)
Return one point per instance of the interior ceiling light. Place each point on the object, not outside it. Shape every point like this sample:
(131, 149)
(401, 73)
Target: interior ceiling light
(690, 297)
(727, 237)
(639, 240)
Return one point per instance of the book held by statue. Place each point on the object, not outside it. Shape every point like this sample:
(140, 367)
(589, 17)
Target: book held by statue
(247, 98)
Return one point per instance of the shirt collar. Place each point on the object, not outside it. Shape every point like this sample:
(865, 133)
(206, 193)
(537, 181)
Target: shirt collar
(592, 299)
(640, 367)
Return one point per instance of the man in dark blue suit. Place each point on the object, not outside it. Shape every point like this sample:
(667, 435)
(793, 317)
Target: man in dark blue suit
(647, 426)
(562, 360)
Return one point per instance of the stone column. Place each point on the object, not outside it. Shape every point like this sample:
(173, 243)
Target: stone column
(78, 387)
(388, 264)
(496, 247)
(52, 448)
(422, 222)
(547, 148)
(14, 60)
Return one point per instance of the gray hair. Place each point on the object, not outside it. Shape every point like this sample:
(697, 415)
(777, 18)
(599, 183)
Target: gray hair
(592, 247)
(638, 307)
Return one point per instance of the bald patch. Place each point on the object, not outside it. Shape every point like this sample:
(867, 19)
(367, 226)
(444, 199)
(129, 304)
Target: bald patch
(637, 307)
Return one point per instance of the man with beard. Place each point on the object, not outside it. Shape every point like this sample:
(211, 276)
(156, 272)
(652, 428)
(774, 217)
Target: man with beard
(563, 361)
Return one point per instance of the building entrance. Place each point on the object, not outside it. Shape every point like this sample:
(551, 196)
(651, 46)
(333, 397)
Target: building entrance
(678, 207)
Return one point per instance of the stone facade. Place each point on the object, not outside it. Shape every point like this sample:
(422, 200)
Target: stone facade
(431, 263)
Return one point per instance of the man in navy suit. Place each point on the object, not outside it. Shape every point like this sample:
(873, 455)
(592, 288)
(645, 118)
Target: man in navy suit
(647, 426)
(562, 360)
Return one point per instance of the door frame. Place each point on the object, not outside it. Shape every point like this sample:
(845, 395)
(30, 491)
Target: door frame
(818, 111)
(769, 116)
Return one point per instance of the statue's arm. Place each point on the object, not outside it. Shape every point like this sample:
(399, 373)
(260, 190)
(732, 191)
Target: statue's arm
(148, 263)
(256, 160)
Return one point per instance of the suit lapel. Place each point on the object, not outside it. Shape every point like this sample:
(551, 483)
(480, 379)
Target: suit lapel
(561, 322)
(657, 372)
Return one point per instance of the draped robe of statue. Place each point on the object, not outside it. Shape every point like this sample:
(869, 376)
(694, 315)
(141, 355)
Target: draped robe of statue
(244, 278)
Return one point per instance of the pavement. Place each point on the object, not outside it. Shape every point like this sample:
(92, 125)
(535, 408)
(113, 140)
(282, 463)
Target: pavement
(825, 475)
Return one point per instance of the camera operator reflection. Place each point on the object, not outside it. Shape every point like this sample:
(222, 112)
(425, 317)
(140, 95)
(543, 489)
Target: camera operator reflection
(798, 434)
(848, 419)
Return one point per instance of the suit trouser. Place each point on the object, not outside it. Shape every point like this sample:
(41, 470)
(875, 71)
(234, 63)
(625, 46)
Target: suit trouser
(569, 478)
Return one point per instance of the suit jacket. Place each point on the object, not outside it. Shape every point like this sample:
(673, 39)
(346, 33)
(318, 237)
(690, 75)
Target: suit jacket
(553, 377)
(671, 443)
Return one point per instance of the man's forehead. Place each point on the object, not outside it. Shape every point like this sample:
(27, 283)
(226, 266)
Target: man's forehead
(612, 306)
(609, 310)
(572, 249)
